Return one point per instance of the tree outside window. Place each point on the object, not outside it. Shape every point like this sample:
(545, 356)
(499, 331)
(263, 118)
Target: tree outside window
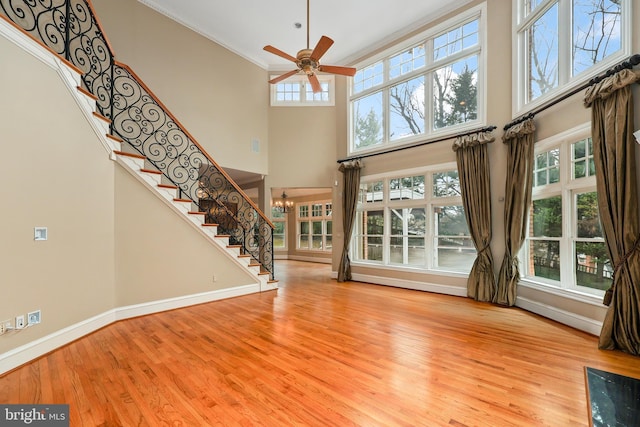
(562, 39)
(389, 97)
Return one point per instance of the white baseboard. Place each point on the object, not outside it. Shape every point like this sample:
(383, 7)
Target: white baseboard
(31, 351)
(408, 284)
(561, 316)
(582, 323)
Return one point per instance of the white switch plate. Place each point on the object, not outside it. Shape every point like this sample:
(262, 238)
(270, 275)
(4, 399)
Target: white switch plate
(40, 233)
(34, 317)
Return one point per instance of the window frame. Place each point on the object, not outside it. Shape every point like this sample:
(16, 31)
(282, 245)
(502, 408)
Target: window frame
(568, 188)
(431, 66)
(283, 218)
(429, 203)
(566, 82)
(325, 217)
(303, 81)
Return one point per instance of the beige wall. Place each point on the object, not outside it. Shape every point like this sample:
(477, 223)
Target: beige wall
(304, 143)
(69, 277)
(158, 254)
(112, 243)
(219, 97)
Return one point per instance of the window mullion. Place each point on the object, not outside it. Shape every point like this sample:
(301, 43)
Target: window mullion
(565, 51)
(567, 262)
(386, 115)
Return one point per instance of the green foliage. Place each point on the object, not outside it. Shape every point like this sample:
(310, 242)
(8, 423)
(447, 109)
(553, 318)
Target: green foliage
(463, 98)
(368, 130)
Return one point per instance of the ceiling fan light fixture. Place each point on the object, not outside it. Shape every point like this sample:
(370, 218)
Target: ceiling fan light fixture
(308, 60)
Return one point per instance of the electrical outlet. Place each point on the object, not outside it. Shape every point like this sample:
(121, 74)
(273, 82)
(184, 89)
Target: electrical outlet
(5, 325)
(34, 317)
(20, 322)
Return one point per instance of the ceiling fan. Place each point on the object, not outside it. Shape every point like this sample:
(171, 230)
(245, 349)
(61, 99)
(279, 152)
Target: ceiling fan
(308, 61)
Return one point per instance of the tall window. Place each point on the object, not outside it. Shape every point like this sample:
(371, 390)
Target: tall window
(566, 41)
(279, 220)
(427, 86)
(296, 91)
(414, 220)
(315, 226)
(565, 246)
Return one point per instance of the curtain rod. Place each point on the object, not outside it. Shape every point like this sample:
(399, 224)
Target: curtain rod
(626, 64)
(484, 129)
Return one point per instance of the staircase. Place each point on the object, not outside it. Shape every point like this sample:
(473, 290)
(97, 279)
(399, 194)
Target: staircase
(146, 139)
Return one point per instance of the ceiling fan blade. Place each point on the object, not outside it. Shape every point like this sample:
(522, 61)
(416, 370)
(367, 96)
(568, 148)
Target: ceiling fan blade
(334, 69)
(315, 84)
(280, 53)
(321, 48)
(284, 76)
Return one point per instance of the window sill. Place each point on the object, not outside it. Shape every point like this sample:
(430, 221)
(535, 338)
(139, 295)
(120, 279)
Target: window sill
(573, 294)
(407, 269)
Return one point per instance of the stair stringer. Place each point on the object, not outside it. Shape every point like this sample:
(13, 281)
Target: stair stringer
(135, 166)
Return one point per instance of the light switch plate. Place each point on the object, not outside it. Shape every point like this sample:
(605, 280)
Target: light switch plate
(40, 233)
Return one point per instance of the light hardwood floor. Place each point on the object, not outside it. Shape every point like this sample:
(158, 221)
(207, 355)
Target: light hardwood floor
(321, 353)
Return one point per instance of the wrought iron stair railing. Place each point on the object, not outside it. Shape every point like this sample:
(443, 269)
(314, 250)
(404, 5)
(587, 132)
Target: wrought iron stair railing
(70, 29)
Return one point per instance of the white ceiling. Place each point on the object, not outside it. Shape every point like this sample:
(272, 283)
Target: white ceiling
(357, 27)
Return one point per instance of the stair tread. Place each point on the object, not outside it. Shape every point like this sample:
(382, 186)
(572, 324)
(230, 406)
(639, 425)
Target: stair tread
(115, 138)
(134, 155)
(87, 93)
(168, 186)
(182, 200)
(210, 225)
(101, 117)
(223, 236)
(150, 171)
(196, 212)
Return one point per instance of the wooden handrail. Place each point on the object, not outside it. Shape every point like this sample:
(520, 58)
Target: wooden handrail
(168, 112)
(193, 140)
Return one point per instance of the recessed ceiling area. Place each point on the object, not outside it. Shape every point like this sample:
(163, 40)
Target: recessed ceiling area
(357, 28)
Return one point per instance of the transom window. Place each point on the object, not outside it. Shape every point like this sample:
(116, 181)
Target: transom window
(414, 220)
(427, 86)
(562, 43)
(565, 247)
(296, 91)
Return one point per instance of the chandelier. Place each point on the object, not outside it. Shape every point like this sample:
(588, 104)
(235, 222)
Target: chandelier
(283, 205)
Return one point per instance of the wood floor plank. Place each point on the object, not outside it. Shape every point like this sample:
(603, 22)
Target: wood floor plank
(321, 353)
